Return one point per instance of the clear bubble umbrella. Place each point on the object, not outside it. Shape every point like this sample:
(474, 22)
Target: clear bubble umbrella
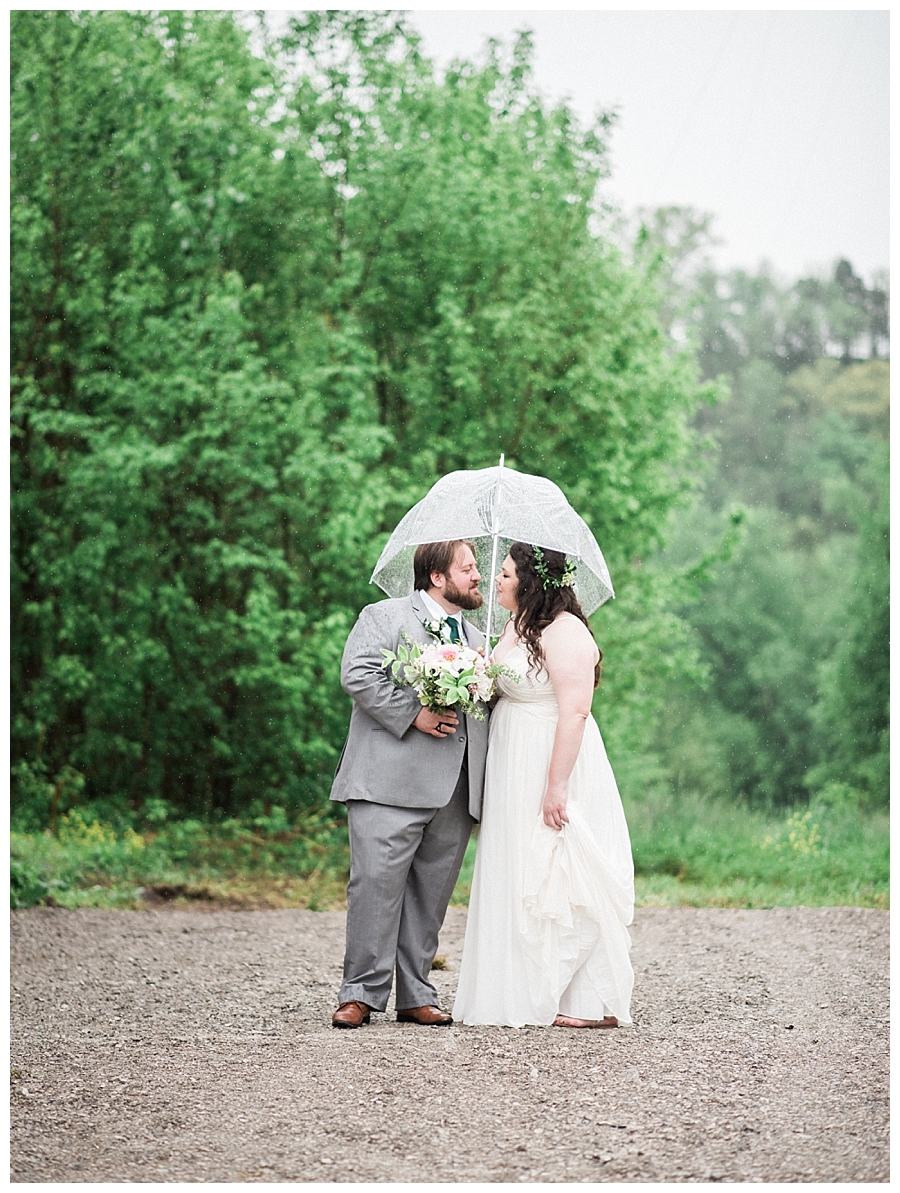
(495, 507)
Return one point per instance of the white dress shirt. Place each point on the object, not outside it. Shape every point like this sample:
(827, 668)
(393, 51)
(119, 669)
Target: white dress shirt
(441, 614)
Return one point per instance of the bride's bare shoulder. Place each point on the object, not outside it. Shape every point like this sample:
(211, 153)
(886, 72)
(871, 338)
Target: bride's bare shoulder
(568, 632)
(568, 625)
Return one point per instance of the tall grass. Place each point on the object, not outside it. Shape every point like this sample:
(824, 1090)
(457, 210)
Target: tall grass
(689, 851)
(708, 853)
(712, 853)
(265, 861)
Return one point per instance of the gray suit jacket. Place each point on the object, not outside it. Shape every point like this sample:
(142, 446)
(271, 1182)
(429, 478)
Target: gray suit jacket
(385, 759)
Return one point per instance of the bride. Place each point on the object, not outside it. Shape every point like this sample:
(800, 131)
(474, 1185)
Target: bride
(553, 889)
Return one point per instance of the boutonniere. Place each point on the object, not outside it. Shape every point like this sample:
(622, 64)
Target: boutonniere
(438, 629)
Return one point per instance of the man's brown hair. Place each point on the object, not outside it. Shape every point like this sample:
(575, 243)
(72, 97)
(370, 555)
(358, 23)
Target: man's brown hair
(435, 557)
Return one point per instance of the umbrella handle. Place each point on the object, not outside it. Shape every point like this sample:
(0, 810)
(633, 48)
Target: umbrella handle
(495, 536)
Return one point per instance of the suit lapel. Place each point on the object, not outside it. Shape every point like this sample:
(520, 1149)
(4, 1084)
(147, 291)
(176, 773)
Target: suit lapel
(422, 615)
(470, 631)
(418, 606)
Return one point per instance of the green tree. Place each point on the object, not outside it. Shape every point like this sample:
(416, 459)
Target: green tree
(853, 715)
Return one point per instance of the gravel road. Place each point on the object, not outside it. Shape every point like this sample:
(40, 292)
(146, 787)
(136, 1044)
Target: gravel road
(168, 1046)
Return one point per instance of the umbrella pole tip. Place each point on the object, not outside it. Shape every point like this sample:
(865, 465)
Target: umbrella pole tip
(502, 458)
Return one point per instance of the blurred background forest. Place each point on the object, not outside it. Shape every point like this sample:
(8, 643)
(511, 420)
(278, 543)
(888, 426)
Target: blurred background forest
(266, 289)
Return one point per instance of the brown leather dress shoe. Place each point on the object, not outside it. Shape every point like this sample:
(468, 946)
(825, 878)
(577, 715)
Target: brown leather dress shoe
(351, 1014)
(426, 1016)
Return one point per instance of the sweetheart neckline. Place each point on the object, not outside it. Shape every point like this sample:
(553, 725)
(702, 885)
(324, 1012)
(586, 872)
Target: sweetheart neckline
(515, 646)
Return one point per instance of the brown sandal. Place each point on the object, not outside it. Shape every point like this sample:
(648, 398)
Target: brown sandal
(571, 1021)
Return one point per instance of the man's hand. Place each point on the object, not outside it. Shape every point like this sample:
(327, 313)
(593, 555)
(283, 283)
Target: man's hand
(437, 724)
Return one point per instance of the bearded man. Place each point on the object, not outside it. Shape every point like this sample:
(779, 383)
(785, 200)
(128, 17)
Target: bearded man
(412, 782)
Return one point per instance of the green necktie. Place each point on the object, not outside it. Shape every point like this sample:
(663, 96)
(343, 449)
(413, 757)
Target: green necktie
(455, 635)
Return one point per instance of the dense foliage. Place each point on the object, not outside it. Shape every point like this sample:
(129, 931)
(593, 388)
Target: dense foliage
(266, 290)
(792, 630)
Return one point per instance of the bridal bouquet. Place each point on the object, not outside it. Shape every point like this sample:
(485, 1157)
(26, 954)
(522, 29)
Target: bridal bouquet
(445, 675)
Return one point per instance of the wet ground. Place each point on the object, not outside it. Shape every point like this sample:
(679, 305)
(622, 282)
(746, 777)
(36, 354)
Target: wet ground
(169, 1046)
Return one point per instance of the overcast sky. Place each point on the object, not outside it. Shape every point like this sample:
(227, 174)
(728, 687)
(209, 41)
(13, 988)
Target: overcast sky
(775, 121)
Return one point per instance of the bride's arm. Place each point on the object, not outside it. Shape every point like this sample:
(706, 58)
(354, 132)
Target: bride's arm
(569, 653)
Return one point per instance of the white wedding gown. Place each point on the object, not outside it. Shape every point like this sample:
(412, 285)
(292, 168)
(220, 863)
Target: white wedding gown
(547, 926)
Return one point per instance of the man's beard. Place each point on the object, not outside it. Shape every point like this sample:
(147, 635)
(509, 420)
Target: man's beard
(466, 600)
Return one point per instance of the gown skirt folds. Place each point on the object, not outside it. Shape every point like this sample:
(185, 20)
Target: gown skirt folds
(547, 926)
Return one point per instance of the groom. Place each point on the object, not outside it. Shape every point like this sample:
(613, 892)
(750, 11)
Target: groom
(411, 780)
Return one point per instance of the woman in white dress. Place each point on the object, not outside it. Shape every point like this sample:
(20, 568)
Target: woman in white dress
(553, 890)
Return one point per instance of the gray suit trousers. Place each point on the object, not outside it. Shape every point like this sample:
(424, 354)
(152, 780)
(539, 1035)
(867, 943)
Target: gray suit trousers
(404, 863)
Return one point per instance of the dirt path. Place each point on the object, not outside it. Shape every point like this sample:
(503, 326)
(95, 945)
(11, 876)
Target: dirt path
(188, 1046)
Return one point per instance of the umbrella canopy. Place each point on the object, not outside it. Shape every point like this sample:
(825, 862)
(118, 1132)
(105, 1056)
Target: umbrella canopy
(495, 507)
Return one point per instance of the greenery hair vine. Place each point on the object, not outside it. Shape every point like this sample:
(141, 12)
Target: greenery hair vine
(566, 580)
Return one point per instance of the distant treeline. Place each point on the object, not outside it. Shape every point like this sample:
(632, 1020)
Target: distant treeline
(791, 630)
(739, 315)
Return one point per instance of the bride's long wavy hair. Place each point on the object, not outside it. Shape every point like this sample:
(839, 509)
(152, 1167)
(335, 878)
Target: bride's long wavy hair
(539, 606)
